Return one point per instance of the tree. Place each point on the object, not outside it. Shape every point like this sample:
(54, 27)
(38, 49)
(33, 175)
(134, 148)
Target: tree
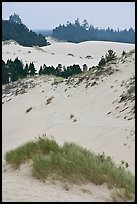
(12, 70)
(21, 34)
(75, 32)
(77, 23)
(18, 67)
(32, 70)
(110, 55)
(102, 61)
(15, 18)
(123, 53)
(85, 67)
(40, 70)
(85, 24)
(5, 75)
(26, 70)
(59, 69)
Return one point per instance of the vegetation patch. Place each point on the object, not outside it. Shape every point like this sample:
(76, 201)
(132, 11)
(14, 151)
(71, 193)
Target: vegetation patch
(71, 116)
(70, 55)
(89, 57)
(29, 109)
(74, 120)
(109, 56)
(71, 163)
(49, 100)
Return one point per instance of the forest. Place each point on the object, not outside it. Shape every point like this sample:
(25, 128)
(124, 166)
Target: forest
(78, 32)
(14, 29)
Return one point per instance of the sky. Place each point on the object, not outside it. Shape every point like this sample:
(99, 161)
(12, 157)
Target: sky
(48, 15)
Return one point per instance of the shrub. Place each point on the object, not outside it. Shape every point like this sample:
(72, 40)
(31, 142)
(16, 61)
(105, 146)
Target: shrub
(70, 55)
(29, 109)
(71, 116)
(123, 53)
(49, 100)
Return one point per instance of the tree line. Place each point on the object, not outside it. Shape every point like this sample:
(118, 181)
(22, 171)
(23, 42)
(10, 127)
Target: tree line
(14, 70)
(77, 32)
(14, 29)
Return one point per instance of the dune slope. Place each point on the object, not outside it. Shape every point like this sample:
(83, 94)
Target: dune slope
(103, 107)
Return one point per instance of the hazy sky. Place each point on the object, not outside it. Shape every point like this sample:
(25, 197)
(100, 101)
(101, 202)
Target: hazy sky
(48, 15)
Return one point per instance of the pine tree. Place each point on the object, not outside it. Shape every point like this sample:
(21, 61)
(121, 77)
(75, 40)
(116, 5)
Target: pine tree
(102, 61)
(26, 70)
(18, 66)
(40, 70)
(110, 55)
(32, 70)
(5, 75)
(15, 18)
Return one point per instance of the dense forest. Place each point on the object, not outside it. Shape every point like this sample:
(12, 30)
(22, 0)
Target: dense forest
(76, 32)
(16, 30)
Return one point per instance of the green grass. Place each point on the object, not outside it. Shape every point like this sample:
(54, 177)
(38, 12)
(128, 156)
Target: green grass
(71, 163)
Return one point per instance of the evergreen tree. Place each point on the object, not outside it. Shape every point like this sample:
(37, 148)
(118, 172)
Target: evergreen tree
(18, 66)
(13, 74)
(26, 70)
(85, 67)
(32, 70)
(85, 24)
(20, 33)
(110, 55)
(102, 61)
(5, 75)
(15, 18)
(40, 70)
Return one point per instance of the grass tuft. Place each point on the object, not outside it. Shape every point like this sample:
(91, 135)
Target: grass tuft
(71, 163)
(29, 109)
(71, 116)
(49, 100)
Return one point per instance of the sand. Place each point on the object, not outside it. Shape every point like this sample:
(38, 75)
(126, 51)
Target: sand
(88, 52)
(100, 126)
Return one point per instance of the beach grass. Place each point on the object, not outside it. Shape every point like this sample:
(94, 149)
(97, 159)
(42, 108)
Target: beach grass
(48, 101)
(71, 163)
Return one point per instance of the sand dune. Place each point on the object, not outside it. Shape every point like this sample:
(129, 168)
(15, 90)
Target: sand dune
(89, 52)
(103, 123)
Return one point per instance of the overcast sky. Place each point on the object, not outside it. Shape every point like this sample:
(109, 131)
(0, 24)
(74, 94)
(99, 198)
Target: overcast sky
(48, 15)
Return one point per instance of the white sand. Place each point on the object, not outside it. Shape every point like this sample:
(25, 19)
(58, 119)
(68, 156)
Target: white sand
(94, 129)
(57, 53)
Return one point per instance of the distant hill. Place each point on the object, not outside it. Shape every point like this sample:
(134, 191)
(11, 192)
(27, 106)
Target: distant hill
(21, 34)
